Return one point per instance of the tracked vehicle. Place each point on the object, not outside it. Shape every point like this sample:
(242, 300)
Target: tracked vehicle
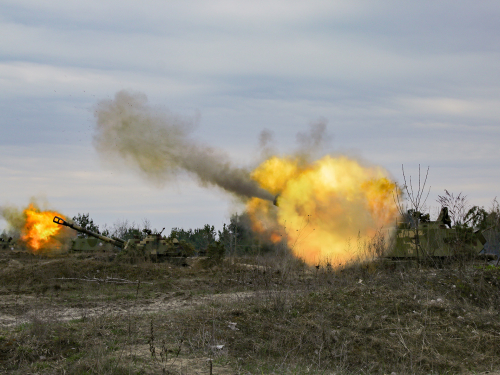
(417, 236)
(154, 246)
(6, 243)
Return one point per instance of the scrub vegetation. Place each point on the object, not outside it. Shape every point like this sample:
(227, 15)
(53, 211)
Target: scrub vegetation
(270, 314)
(248, 307)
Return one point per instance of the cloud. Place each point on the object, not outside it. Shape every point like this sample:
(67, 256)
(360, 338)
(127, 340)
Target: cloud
(442, 106)
(72, 180)
(397, 82)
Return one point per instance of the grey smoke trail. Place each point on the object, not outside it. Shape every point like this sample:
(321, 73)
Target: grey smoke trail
(158, 145)
(13, 216)
(314, 143)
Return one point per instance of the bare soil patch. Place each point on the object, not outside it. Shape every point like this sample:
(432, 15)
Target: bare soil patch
(271, 315)
(15, 310)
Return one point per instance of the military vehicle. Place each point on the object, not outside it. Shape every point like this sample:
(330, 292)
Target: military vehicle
(154, 246)
(417, 236)
(90, 244)
(6, 243)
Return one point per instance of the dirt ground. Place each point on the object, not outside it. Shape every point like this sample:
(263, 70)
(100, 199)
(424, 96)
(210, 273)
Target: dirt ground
(15, 310)
(86, 315)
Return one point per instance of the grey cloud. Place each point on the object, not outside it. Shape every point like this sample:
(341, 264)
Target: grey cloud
(413, 82)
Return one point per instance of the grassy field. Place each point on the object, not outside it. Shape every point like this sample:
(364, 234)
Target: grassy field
(79, 314)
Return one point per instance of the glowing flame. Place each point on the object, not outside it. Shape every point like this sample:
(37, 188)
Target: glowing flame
(39, 230)
(325, 207)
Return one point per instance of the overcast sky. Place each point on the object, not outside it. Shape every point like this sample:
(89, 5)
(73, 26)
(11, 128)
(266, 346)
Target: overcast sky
(397, 82)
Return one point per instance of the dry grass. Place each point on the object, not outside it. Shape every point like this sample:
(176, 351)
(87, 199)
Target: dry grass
(247, 316)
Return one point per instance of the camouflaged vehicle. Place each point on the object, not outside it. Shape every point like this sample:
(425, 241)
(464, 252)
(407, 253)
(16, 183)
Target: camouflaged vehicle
(90, 244)
(6, 243)
(435, 239)
(154, 246)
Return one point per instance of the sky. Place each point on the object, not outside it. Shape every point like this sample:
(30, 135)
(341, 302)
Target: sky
(398, 84)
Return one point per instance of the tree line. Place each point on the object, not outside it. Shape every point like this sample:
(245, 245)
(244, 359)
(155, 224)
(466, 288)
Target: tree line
(236, 238)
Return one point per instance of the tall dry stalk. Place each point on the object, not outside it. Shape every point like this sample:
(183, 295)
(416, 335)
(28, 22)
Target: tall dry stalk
(416, 203)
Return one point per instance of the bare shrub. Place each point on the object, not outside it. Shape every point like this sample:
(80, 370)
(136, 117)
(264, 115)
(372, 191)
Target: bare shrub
(416, 205)
(458, 206)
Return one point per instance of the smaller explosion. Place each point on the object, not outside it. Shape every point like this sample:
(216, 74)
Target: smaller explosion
(37, 231)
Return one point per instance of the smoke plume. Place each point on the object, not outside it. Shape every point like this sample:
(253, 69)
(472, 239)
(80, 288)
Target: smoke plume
(158, 145)
(313, 143)
(13, 216)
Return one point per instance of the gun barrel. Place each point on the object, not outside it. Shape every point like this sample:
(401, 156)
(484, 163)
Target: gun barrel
(276, 201)
(114, 241)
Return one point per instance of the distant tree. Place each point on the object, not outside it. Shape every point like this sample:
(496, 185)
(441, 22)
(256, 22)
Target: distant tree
(87, 223)
(476, 217)
(226, 236)
(132, 233)
(236, 238)
(186, 248)
(199, 238)
(215, 253)
(127, 231)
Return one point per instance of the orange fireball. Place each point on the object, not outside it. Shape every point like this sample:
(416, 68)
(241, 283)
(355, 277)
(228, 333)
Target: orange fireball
(39, 230)
(329, 209)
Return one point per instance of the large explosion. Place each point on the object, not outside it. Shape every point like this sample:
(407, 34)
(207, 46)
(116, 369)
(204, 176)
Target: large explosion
(38, 232)
(324, 204)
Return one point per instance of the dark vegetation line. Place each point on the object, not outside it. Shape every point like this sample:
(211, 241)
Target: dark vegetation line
(236, 238)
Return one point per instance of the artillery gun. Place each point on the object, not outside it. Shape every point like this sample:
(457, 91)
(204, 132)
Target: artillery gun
(113, 241)
(434, 239)
(154, 246)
